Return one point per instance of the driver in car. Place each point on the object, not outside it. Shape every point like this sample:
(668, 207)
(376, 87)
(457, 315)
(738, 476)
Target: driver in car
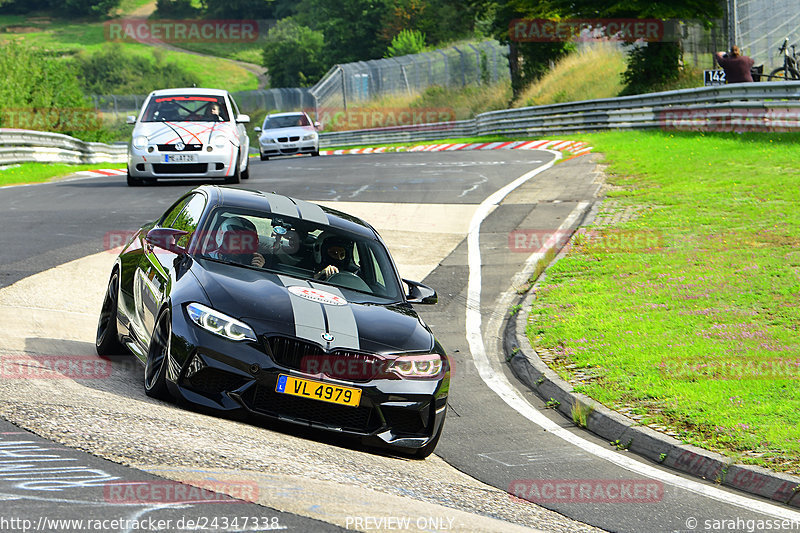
(237, 240)
(336, 256)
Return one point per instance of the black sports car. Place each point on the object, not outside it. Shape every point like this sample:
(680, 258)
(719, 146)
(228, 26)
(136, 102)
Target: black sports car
(238, 299)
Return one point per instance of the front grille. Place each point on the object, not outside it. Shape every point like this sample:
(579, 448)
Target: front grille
(357, 419)
(293, 138)
(312, 359)
(288, 150)
(180, 168)
(187, 148)
(210, 380)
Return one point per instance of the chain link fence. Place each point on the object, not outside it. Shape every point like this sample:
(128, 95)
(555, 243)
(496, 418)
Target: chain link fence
(760, 26)
(344, 85)
(470, 63)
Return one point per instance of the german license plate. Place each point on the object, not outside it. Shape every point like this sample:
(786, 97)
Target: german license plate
(315, 390)
(180, 158)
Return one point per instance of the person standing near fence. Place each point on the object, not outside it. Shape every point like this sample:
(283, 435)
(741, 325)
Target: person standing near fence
(736, 66)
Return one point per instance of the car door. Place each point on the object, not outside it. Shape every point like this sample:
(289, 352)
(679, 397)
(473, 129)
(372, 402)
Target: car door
(154, 275)
(241, 132)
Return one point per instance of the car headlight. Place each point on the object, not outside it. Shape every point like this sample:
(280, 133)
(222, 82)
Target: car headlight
(140, 141)
(309, 136)
(220, 141)
(219, 323)
(420, 366)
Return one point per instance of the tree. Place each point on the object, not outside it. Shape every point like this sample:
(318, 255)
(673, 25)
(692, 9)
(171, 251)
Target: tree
(526, 61)
(293, 54)
(239, 9)
(351, 28)
(654, 63)
(406, 42)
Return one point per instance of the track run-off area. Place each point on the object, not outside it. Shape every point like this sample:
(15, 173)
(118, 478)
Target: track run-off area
(87, 443)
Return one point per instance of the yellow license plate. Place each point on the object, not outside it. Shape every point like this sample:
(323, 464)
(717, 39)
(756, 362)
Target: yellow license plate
(315, 390)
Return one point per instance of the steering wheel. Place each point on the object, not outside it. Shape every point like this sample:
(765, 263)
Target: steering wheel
(349, 280)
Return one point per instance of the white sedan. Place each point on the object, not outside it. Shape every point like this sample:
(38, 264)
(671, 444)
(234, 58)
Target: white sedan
(188, 133)
(287, 134)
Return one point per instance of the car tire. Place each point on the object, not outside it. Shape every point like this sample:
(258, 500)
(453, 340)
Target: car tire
(155, 368)
(264, 157)
(133, 182)
(246, 172)
(236, 177)
(426, 450)
(107, 339)
(315, 153)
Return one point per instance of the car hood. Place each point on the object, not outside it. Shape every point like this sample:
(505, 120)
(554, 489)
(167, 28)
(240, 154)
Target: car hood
(297, 131)
(185, 132)
(275, 304)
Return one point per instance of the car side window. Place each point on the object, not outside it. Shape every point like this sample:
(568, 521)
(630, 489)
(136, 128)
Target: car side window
(172, 213)
(234, 107)
(189, 217)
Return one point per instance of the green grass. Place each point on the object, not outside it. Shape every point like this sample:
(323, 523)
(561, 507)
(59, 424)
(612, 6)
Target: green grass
(69, 37)
(589, 74)
(39, 172)
(694, 326)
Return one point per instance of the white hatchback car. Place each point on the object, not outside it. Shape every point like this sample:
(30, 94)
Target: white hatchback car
(188, 133)
(287, 134)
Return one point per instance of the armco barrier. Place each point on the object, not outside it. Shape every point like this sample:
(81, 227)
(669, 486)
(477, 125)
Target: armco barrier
(26, 146)
(773, 106)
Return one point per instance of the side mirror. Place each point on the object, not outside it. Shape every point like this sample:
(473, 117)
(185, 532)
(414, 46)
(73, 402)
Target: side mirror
(420, 294)
(130, 119)
(243, 119)
(166, 238)
(257, 129)
(316, 125)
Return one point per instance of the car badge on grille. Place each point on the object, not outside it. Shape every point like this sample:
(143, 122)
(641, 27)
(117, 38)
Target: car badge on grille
(180, 146)
(316, 295)
(327, 337)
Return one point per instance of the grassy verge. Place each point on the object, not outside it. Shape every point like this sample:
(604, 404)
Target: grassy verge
(686, 315)
(594, 72)
(69, 37)
(40, 172)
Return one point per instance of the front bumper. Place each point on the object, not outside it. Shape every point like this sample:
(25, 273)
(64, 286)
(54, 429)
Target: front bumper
(219, 374)
(275, 148)
(216, 163)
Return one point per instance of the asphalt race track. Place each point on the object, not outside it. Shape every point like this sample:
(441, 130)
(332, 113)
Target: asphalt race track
(53, 270)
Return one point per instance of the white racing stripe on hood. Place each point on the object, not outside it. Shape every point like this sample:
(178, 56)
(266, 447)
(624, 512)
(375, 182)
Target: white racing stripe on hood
(341, 321)
(311, 212)
(281, 205)
(309, 319)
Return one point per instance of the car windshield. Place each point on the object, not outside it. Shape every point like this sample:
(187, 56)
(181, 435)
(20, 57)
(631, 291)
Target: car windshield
(188, 107)
(300, 249)
(286, 121)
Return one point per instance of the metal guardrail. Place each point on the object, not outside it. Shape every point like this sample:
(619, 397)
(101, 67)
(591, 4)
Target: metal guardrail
(26, 146)
(751, 106)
